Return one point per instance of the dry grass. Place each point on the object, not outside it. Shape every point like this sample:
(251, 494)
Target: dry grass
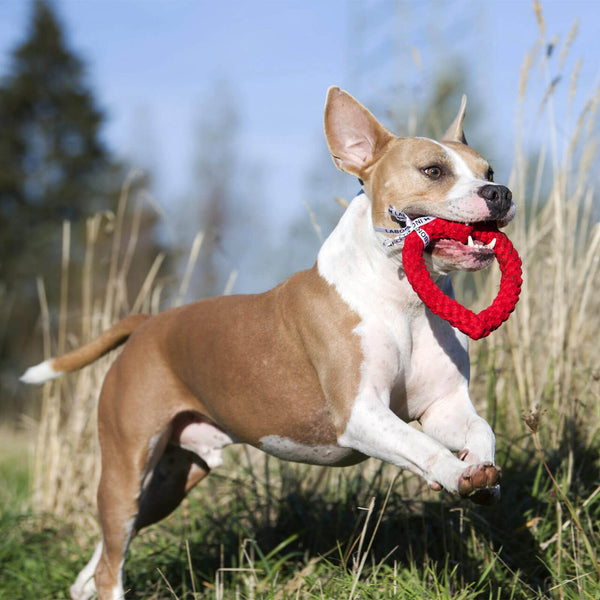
(546, 354)
(67, 465)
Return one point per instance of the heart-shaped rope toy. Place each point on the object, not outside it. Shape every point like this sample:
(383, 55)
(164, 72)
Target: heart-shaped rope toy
(416, 235)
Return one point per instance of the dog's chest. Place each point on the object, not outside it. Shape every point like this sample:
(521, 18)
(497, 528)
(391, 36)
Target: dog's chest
(405, 365)
(409, 356)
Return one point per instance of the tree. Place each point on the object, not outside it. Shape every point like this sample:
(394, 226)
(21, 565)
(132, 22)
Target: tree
(53, 167)
(52, 164)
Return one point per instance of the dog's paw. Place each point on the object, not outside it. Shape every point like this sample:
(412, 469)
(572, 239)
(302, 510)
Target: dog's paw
(480, 483)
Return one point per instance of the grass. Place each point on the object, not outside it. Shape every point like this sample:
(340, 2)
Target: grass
(263, 529)
(292, 531)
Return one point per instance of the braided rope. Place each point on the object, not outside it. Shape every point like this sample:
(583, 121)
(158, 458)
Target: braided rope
(475, 325)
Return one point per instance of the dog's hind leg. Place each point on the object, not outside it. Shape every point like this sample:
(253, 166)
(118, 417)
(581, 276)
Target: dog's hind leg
(129, 499)
(118, 505)
(84, 587)
(194, 446)
(176, 473)
(142, 487)
(124, 457)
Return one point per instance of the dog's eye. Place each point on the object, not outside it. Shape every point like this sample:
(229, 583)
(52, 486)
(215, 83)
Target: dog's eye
(433, 172)
(490, 174)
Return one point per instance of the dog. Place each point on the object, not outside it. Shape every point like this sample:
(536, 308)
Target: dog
(327, 368)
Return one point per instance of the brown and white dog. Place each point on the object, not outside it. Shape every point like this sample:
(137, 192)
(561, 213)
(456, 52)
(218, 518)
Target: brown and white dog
(326, 368)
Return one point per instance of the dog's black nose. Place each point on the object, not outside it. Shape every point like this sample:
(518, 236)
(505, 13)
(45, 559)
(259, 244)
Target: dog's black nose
(498, 198)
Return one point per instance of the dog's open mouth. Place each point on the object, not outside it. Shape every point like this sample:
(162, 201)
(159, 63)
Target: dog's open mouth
(472, 256)
(446, 254)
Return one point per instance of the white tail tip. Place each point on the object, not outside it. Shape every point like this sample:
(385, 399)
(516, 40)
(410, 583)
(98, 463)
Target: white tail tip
(40, 373)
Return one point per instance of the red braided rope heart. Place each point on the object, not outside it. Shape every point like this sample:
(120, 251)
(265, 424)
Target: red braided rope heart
(475, 325)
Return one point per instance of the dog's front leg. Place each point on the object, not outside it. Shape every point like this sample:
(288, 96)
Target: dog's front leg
(454, 422)
(376, 431)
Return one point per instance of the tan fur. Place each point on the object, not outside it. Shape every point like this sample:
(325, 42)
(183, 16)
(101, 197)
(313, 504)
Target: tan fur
(107, 341)
(249, 375)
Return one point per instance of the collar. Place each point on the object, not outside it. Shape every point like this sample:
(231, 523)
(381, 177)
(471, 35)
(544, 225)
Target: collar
(407, 226)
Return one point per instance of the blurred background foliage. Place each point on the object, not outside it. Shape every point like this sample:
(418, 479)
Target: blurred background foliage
(53, 168)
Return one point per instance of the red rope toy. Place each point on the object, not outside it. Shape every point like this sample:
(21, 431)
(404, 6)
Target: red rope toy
(416, 235)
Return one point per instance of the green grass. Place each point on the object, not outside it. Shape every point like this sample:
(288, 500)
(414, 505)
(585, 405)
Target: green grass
(284, 531)
(34, 552)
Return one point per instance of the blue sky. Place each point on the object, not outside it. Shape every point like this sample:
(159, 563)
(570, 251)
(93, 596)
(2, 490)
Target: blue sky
(151, 63)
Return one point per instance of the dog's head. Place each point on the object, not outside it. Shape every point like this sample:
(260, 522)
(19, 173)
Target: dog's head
(418, 176)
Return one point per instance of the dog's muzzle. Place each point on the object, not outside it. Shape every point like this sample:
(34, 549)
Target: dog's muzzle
(498, 199)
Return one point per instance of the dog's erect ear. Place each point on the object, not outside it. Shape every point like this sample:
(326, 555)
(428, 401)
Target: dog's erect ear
(354, 135)
(455, 131)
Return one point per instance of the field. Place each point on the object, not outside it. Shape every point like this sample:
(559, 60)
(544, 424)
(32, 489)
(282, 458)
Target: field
(262, 529)
(266, 529)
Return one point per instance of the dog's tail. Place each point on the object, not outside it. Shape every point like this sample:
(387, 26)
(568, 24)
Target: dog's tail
(86, 354)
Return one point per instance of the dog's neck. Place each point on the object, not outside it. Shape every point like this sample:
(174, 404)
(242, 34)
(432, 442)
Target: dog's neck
(364, 271)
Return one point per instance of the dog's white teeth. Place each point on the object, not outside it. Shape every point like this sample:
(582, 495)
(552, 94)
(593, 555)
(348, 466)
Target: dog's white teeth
(492, 244)
(470, 242)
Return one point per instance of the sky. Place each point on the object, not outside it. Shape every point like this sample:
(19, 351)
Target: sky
(152, 63)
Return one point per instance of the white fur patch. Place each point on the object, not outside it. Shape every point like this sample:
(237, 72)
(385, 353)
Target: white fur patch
(288, 449)
(118, 593)
(463, 202)
(366, 276)
(205, 440)
(84, 587)
(40, 373)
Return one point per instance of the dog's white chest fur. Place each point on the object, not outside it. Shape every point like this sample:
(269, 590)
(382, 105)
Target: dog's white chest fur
(401, 340)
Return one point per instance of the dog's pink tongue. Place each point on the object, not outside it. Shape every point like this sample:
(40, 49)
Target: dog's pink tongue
(456, 255)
